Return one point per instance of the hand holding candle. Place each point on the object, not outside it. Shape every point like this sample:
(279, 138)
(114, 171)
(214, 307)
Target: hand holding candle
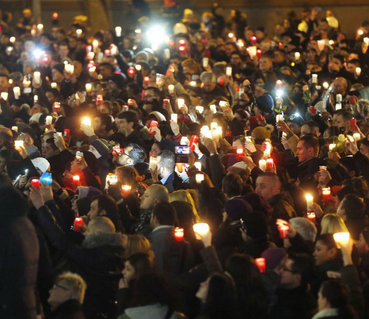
(202, 232)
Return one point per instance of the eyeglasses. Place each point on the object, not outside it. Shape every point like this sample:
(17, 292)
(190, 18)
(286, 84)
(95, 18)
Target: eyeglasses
(61, 287)
(289, 270)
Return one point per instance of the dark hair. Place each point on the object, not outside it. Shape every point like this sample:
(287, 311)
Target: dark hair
(312, 125)
(107, 203)
(303, 264)
(51, 142)
(339, 57)
(12, 203)
(106, 120)
(354, 207)
(232, 185)
(165, 214)
(359, 185)
(345, 191)
(327, 240)
(137, 153)
(221, 300)
(129, 116)
(142, 263)
(107, 65)
(338, 294)
(251, 295)
(347, 116)
(310, 141)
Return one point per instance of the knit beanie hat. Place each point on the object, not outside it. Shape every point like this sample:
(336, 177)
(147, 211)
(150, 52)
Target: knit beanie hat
(255, 225)
(237, 208)
(59, 67)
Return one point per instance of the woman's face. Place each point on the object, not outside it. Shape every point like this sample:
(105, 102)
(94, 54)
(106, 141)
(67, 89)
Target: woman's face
(322, 253)
(128, 272)
(155, 150)
(202, 293)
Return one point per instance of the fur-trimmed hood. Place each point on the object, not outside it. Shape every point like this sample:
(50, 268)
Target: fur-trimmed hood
(103, 239)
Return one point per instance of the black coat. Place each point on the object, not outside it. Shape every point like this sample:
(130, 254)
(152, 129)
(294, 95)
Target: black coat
(19, 252)
(99, 261)
(70, 309)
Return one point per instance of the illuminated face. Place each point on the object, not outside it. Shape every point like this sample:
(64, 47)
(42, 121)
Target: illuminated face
(148, 199)
(59, 294)
(304, 154)
(334, 65)
(341, 122)
(122, 125)
(209, 86)
(295, 128)
(364, 150)
(322, 253)
(265, 64)
(266, 187)
(288, 277)
(339, 86)
(351, 68)
(124, 158)
(48, 151)
(63, 51)
(4, 84)
(94, 211)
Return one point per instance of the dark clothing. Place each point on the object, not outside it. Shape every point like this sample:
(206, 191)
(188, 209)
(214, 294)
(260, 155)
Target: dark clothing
(171, 256)
(70, 309)
(255, 247)
(294, 303)
(19, 254)
(99, 261)
(320, 274)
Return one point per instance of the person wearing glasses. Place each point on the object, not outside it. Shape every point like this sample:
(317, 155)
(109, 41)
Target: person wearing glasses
(294, 298)
(66, 297)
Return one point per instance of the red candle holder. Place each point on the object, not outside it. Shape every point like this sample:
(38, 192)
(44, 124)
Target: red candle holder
(270, 163)
(260, 262)
(35, 183)
(76, 179)
(311, 216)
(283, 231)
(126, 190)
(179, 234)
(193, 140)
(353, 124)
(67, 133)
(326, 193)
(78, 222)
(99, 99)
(153, 124)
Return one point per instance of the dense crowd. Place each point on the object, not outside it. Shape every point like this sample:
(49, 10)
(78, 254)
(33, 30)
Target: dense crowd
(192, 168)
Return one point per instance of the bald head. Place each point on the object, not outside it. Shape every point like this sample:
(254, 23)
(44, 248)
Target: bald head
(156, 193)
(268, 185)
(340, 86)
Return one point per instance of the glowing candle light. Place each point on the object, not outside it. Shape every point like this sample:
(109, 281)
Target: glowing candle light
(260, 262)
(77, 224)
(199, 178)
(341, 239)
(179, 234)
(126, 190)
(201, 228)
(263, 165)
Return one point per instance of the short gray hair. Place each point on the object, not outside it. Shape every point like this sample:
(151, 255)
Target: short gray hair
(305, 228)
(160, 192)
(208, 77)
(167, 160)
(73, 282)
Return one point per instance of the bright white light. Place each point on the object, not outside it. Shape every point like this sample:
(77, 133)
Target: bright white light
(156, 35)
(279, 93)
(297, 114)
(38, 53)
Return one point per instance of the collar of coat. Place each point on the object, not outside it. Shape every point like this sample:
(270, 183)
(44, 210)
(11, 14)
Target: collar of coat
(103, 239)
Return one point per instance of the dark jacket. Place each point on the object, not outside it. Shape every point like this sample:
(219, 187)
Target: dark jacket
(171, 256)
(70, 309)
(99, 261)
(19, 253)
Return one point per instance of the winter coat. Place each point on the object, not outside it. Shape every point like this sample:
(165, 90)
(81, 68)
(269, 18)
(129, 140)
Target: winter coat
(99, 261)
(70, 309)
(156, 311)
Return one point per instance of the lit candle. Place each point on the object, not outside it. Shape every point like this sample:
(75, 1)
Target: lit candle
(49, 120)
(138, 67)
(360, 32)
(17, 143)
(341, 239)
(263, 165)
(99, 99)
(86, 121)
(193, 141)
(4, 96)
(199, 178)
(213, 108)
(37, 77)
(297, 56)
(283, 230)
(152, 125)
(260, 262)
(12, 40)
(40, 28)
(76, 180)
(153, 163)
(78, 222)
(15, 128)
(366, 40)
(55, 16)
(223, 103)
(267, 150)
(16, 91)
(314, 78)
(201, 229)
(199, 109)
(112, 179)
(332, 147)
(279, 83)
(171, 89)
(239, 153)
(179, 234)
(95, 45)
(69, 68)
(174, 117)
(88, 87)
(198, 165)
(279, 118)
(126, 190)
(205, 62)
(66, 133)
(180, 102)
(54, 85)
(229, 71)
(79, 33)
(338, 98)
(309, 202)
(118, 31)
(358, 71)
(311, 216)
(353, 124)
(269, 163)
(325, 85)
(326, 192)
(357, 136)
(35, 183)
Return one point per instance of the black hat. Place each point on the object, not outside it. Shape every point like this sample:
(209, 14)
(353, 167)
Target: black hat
(265, 103)
(59, 67)
(118, 80)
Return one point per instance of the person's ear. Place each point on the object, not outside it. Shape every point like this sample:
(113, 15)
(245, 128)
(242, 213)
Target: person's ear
(103, 213)
(332, 252)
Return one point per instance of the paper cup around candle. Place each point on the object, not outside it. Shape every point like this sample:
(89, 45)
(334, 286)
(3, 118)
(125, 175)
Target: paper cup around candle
(54, 85)
(88, 87)
(15, 128)
(17, 92)
(213, 108)
(263, 165)
(341, 239)
(201, 228)
(118, 31)
(199, 178)
(260, 262)
(86, 121)
(357, 136)
(332, 147)
(171, 89)
(49, 120)
(229, 71)
(180, 102)
(297, 56)
(199, 109)
(309, 202)
(279, 118)
(4, 96)
(205, 62)
(18, 143)
(153, 163)
(174, 117)
(198, 165)
(179, 234)
(314, 78)
(358, 71)
(37, 77)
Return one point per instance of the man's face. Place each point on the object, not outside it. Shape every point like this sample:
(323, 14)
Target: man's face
(148, 199)
(94, 210)
(339, 86)
(334, 65)
(279, 57)
(59, 294)
(105, 71)
(50, 97)
(296, 129)
(96, 124)
(341, 122)
(56, 76)
(48, 151)
(265, 64)
(122, 125)
(63, 51)
(351, 67)
(124, 158)
(4, 84)
(289, 279)
(209, 86)
(235, 59)
(304, 154)
(266, 187)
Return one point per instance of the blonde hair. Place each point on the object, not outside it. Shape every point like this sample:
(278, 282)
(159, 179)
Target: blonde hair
(184, 196)
(332, 223)
(73, 282)
(137, 244)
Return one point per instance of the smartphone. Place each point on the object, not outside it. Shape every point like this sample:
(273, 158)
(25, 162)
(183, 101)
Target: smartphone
(181, 153)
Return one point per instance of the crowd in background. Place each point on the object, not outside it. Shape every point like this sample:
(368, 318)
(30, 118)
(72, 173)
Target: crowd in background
(195, 168)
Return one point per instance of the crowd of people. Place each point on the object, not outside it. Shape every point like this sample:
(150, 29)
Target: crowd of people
(200, 169)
